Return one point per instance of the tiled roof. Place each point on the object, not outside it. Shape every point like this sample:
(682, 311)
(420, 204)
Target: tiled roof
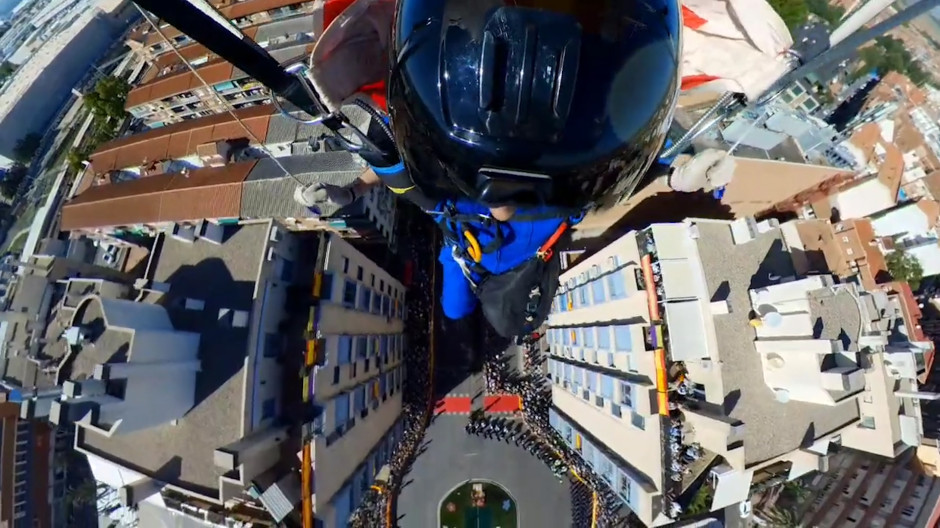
(212, 73)
(180, 139)
(213, 192)
(251, 7)
(184, 81)
(892, 168)
(932, 181)
(931, 209)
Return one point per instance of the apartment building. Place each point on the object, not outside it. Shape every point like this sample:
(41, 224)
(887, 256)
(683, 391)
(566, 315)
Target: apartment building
(849, 249)
(175, 383)
(33, 488)
(169, 92)
(356, 386)
(776, 367)
(862, 490)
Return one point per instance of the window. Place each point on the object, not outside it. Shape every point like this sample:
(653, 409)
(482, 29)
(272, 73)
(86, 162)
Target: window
(598, 292)
(583, 296)
(341, 409)
(345, 265)
(359, 273)
(362, 347)
(588, 337)
(607, 387)
(349, 293)
(372, 279)
(638, 421)
(386, 306)
(626, 394)
(605, 468)
(273, 344)
(365, 297)
(344, 349)
(335, 375)
(617, 285)
(381, 285)
(623, 488)
(376, 303)
(268, 408)
(591, 381)
(615, 410)
(287, 270)
(868, 422)
(326, 287)
(603, 338)
(622, 338)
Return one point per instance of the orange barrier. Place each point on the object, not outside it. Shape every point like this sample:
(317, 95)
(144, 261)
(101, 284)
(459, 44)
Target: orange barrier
(662, 383)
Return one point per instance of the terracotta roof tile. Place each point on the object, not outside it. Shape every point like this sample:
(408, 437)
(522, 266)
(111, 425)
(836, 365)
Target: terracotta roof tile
(866, 137)
(178, 140)
(213, 192)
(932, 181)
(931, 209)
(179, 82)
(251, 7)
(892, 168)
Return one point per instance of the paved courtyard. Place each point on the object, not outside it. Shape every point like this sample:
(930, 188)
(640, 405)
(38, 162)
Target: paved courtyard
(453, 457)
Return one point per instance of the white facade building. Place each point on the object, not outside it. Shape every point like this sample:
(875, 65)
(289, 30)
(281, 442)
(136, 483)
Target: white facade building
(775, 368)
(357, 387)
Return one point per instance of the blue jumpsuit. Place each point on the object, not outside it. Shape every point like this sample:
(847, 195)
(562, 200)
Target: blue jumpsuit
(520, 242)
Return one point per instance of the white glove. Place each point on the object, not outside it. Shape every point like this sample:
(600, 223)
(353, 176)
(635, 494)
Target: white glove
(705, 171)
(324, 193)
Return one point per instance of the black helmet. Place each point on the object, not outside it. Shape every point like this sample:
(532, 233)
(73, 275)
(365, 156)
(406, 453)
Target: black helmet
(520, 102)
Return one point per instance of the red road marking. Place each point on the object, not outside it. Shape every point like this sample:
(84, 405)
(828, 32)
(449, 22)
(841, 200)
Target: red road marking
(505, 403)
(454, 405)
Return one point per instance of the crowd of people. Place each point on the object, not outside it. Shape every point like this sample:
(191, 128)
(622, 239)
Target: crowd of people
(586, 486)
(590, 496)
(373, 509)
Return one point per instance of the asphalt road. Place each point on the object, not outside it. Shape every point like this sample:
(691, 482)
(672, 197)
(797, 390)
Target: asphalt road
(452, 457)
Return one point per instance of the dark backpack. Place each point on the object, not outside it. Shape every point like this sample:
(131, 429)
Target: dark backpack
(518, 301)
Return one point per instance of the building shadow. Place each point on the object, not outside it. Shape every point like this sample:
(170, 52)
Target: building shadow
(223, 344)
(662, 207)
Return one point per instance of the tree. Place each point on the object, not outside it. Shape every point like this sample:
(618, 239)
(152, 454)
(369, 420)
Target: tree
(783, 518)
(106, 100)
(701, 502)
(793, 12)
(26, 148)
(824, 10)
(75, 160)
(10, 182)
(6, 70)
(904, 268)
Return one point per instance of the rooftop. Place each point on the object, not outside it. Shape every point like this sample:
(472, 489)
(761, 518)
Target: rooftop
(212, 73)
(209, 192)
(731, 270)
(106, 344)
(251, 189)
(223, 276)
